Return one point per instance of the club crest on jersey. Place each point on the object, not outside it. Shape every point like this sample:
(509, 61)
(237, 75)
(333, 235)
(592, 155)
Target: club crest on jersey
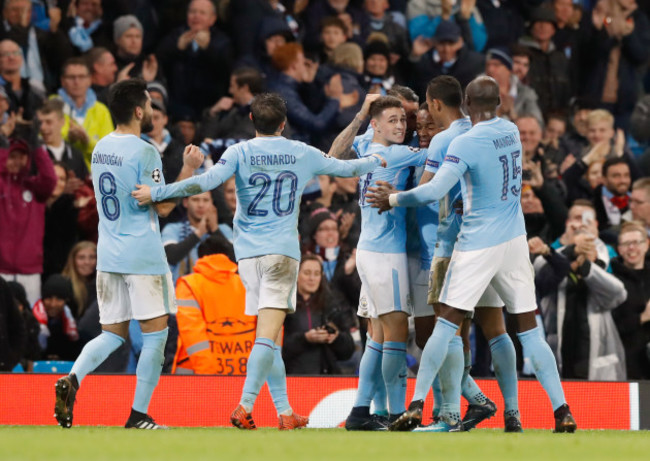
(414, 149)
(156, 175)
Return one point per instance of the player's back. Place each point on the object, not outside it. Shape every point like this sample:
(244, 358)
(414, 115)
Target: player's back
(386, 233)
(129, 235)
(491, 185)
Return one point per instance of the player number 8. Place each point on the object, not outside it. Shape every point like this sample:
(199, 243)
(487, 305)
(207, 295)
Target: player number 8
(110, 203)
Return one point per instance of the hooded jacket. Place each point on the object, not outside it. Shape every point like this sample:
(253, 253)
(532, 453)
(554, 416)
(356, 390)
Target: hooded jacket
(22, 212)
(214, 335)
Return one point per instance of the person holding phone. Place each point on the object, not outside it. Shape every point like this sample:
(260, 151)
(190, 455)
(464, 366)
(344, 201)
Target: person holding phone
(315, 337)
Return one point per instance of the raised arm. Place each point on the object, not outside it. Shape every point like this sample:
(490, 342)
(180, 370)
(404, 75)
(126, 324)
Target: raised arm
(341, 146)
(192, 159)
(347, 168)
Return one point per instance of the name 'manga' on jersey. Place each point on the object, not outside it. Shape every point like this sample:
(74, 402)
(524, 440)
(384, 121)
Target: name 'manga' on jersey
(385, 233)
(129, 234)
(270, 175)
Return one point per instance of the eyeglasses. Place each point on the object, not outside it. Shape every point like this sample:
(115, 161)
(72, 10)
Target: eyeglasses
(76, 77)
(6, 54)
(636, 243)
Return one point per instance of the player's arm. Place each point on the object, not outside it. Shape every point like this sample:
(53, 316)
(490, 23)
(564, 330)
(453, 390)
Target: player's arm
(341, 147)
(386, 197)
(426, 177)
(192, 159)
(346, 168)
(209, 180)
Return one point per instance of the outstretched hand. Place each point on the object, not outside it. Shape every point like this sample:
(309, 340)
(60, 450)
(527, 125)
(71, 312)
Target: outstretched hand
(378, 196)
(142, 194)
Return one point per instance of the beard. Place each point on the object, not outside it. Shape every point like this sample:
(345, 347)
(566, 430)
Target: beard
(146, 125)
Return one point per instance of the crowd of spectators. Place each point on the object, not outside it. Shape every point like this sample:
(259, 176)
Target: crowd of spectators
(572, 76)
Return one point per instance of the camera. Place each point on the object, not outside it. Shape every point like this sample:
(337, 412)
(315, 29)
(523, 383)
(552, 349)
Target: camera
(331, 330)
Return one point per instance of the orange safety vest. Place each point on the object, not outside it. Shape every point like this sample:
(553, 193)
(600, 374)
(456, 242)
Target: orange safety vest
(214, 335)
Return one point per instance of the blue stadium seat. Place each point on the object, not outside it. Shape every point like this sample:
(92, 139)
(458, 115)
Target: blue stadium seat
(52, 366)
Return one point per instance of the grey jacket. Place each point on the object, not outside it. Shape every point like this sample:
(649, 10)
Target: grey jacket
(606, 352)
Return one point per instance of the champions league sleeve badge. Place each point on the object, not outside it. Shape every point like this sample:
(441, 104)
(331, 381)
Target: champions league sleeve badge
(156, 175)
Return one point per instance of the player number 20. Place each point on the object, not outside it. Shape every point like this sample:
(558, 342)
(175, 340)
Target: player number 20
(516, 171)
(108, 189)
(265, 181)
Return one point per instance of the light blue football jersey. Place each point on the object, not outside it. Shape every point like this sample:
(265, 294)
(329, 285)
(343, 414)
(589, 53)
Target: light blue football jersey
(129, 235)
(270, 175)
(488, 160)
(385, 233)
(449, 219)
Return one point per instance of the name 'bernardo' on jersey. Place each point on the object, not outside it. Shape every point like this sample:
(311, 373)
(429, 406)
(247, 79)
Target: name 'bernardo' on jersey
(107, 159)
(273, 159)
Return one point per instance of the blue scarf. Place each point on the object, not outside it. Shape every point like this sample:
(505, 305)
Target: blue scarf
(81, 36)
(78, 113)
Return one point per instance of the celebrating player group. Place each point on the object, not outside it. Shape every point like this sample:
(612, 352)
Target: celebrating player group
(471, 230)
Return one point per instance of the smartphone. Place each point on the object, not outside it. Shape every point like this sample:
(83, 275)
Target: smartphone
(588, 218)
(329, 329)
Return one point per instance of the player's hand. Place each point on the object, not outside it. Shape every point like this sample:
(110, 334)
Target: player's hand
(192, 157)
(142, 194)
(378, 196)
(383, 160)
(370, 98)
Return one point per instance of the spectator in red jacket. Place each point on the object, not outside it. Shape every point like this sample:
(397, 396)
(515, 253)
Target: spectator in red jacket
(27, 180)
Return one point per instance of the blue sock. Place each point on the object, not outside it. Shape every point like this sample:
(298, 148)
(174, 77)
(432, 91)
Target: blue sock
(469, 389)
(369, 371)
(260, 362)
(433, 355)
(392, 369)
(451, 375)
(380, 401)
(149, 367)
(94, 353)
(437, 395)
(537, 350)
(277, 382)
(504, 361)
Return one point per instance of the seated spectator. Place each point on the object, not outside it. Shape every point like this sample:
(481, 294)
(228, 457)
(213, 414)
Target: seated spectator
(43, 51)
(196, 59)
(130, 60)
(355, 20)
(32, 351)
(577, 314)
(103, 72)
(632, 317)
(424, 17)
(81, 269)
(59, 338)
(214, 335)
(387, 23)
(24, 94)
(228, 121)
(612, 199)
(52, 119)
(314, 337)
(516, 98)
(86, 119)
(377, 68)
(169, 148)
(22, 213)
(13, 336)
(181, 240)
(332, 34)
(86, 27)
(549, 67)
(289, 60)
(640, 203)
(450, 56)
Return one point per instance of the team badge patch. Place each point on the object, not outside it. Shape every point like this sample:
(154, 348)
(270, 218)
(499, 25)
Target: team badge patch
(156, 176)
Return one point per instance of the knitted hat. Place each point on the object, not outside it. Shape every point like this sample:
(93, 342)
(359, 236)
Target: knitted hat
(377, 47)
(124, 23)
(500, 54)
(542, 14)
(57, 285)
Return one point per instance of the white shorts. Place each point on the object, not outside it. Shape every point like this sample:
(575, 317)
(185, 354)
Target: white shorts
(506, 268)
(384, 284)
(122, 297)
(418, 281)
(270, 282)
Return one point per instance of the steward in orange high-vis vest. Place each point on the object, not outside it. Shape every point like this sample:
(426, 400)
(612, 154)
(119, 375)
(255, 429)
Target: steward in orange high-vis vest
(214, 335)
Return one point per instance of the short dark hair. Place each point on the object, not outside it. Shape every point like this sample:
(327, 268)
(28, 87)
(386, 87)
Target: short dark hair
(404, 92)
(94, 55)
(333, 21)
(217, 243)
(379, 105)
(447, 89)
(251, 77)
(519, 50)
(76, 61)
(613, 161)
(53, 105)
(583, 202)
(269, 110)
(124, 97)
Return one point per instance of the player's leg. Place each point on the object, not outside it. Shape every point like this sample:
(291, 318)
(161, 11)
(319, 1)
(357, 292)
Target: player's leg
(277, 383)
(112, 297)
(379, 399)
(152, 299)
(395, 326)
(518, 293)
